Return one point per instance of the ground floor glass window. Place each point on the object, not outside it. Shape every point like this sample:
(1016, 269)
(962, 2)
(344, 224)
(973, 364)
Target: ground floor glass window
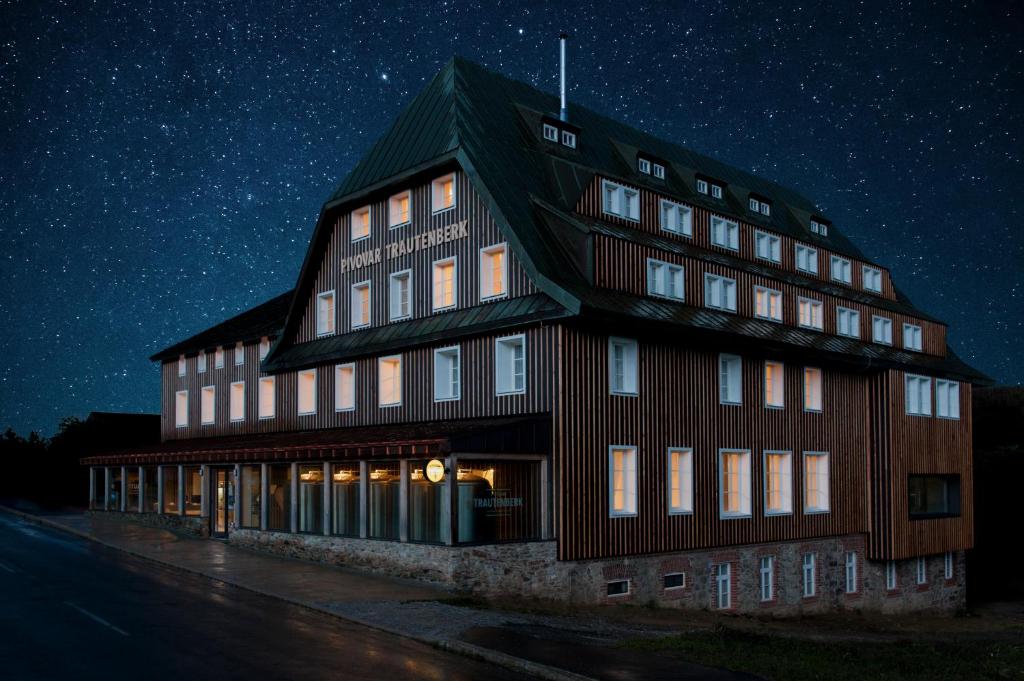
(193, 484)
(99, 481)
(114, 489)
(345, 500)
(427, 503)
(150, 493)
(249, 500)
(279, 503)
(311, 498)
(170, 489)
(385, 490)
(498, 501)
(133, 489)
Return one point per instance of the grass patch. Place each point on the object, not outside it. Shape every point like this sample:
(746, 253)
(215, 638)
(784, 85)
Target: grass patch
(785, 659)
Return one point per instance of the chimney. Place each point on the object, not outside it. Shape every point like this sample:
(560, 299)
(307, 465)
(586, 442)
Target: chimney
(564, 113)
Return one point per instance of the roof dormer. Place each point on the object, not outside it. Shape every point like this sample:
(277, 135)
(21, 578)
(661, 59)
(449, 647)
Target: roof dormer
(757, 203)
(709, 186)
(559, 132)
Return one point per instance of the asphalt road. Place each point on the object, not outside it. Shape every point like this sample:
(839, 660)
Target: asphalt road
(72, 609)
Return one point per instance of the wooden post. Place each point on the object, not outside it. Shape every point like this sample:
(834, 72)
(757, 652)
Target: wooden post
(295, 499)
(327, 498)
(364, 499)
(545, 501)
(204, 492)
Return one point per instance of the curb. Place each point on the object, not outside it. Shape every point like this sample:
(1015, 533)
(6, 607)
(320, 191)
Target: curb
(510, 662)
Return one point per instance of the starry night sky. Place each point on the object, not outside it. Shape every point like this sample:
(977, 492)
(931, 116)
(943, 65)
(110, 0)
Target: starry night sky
(162, 164)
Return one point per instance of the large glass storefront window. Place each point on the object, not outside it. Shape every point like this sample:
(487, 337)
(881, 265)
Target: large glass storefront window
(133, 489)
(311, 498)
(427, 503)
(114, 489)
(170, 489)
(150, 497)
(252, 488)
(498, 501)
(99, 482)
(385, 490)
(279, 509)
(345, 499)
(193, 490)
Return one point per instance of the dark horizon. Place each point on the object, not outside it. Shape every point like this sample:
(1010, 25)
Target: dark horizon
(158, 181)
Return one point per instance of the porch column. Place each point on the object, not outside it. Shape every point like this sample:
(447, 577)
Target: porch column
(327, 497)
(236, 497)
(142, 489)
(106, 488)
(159, 489)
(181, 490)
(364, 496)
(124, 488)
(264, 496)
(92, 487)
(295, 498)
(204, 492)
(545, 500)
(403, 500)
(451, 519)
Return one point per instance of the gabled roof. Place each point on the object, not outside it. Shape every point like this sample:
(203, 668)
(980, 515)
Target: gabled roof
(266, 319)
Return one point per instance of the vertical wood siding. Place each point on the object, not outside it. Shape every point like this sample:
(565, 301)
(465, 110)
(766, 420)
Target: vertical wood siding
(650, 216)
(622, 265)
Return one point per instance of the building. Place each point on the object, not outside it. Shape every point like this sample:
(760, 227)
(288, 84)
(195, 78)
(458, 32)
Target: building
(558, 357)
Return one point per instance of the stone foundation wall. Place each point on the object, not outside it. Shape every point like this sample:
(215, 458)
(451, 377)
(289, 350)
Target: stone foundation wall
(530, 570)
(189, 524)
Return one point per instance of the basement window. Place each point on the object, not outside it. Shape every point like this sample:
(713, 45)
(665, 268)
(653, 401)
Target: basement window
(675, 580)
(619, 587)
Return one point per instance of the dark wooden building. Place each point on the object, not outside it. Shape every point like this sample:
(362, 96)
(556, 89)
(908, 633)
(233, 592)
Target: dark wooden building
(593, 355)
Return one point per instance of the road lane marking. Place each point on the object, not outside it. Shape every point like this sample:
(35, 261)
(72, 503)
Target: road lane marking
(5, 567)
(95, 617)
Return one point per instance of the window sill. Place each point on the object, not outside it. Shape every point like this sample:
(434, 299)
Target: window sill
(400, 224)
(442, 210)
(357, 239)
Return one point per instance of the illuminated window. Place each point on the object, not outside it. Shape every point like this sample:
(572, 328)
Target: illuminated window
(676, 218)
(181, 365)
(622, 482)
(680, 481)
(218, 357)
(778, 483)
(734, 483)
(842, 270)
(307, 391)
(847, 322)
(360, 304)
(768, 303)
(622, 366)
(816, 482)
(325, 313)
(774, 384)
(768, 247)
(181, 409)
(239, 353)
(361, 223)
(344, 387)
(851, 572)
(389, 371)
(810, 573)
(730, 373)
(767, 574)
(620, 201)
(447, 382)
(881, 330)
(400, 295)
(238, 401)
(493, 272)
(445, 291)
(947, 399)
(912, 337)
(201, 362)
(664, 279)
(918, 391)
(812, 389)
(264, 347)
(442, 192)
(872, 279)
(807, 259)
(719, 292)
(510, 365)
(810, 314)
(725, 233)
(206, 404)
(400, 209)
(267, 398)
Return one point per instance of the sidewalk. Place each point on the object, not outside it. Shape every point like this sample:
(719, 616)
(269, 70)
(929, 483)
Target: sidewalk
(539, 645)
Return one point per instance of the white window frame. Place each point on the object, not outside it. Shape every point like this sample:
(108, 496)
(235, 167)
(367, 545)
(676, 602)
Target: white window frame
(702, 187)
(883, 324)
(381, 362)
(627, 198)
(669, 273)
(394, 295)
(824, 491)
(218, 357)
(239, 353)
(325, 326)
(485, 254)
(915, 337)
(727, 289)
(201, 362)
(921, 572)
(891, 576)
(393, 203)
(809, 574)
(436, 189)
(681, 214)
(773, 250)
(181, 366)
(730, 386)
(569, 139)
(947, 399)
(730, 231)
(785, 481)
(630, 366)
(368, 212)
(682, 575)
(643, 165)
(550, 133)
(299, 382)
(501, 346)
(454, 261)
(776, 398)
(850, 572)
(773, 303)
(871, 278)
(766, 572)
(917, 395)
(811, 259)
(260, 390)
(210, 390)
(453, 380)
(841, 270)
(658, 171)
(818, 392)
(231, 395)
(264, 348)
(340, 396)
(629, 486)
(716, 191)
(744, 482)
(766, 208)
(852, 317)
(947, 565)
(754, 204)
(723, 585)
(816, 312)
(180, 413)
(681, 478)
(356, 304)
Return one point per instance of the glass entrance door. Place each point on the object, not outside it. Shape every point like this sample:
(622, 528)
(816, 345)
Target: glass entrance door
(222, 483)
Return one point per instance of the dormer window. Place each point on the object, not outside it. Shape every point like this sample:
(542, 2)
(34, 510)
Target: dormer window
(658, 170)
(644, 166)
(716, 191)
(755, 205)
(819, 227)
(569, 139)
(550, 133)
(759, 205)
(702, 187)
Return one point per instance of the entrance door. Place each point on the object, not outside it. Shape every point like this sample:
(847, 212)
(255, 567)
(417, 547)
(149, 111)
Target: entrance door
(222, 483)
